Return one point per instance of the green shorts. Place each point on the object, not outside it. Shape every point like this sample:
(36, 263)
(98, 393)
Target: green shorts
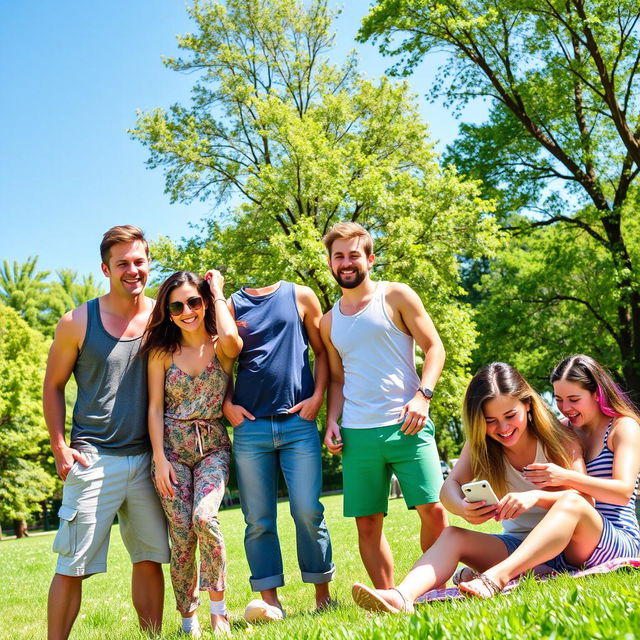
(371, 456)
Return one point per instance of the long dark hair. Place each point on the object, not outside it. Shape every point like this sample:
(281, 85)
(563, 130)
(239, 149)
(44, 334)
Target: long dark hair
(161, 333)
(594, 378)
(487, 455)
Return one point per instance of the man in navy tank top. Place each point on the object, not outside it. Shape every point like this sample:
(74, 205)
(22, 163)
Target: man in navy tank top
(383, 404)
(273, 408)
(106, 465)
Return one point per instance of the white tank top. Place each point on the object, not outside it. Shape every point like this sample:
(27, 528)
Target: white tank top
(379, 364)
(521, 526)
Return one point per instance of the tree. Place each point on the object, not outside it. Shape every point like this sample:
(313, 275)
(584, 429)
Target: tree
(41, 303)
(520, 325)
(293, 144)
(23, 288)
(24, 483)
(562, 140)
(73, 292)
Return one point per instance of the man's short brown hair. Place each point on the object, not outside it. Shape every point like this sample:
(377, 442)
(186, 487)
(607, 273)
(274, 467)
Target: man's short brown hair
(120, 234)
(347, 230)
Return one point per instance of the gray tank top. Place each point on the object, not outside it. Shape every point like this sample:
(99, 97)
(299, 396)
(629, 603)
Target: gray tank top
(110, 414)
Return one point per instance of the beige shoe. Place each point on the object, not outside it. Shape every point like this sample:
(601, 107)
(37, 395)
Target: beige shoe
(260, 611)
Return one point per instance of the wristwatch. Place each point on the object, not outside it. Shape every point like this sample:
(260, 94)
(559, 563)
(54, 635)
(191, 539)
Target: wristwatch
(426, 392)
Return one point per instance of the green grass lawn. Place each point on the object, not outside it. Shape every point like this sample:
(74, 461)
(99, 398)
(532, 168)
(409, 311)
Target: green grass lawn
(597, 607)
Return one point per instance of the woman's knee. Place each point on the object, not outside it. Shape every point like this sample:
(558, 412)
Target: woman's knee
(572, 503)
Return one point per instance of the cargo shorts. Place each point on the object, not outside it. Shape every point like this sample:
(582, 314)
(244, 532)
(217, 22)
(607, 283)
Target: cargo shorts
(92, 497)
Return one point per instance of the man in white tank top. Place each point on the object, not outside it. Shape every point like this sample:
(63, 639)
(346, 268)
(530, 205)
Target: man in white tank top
(370, 335)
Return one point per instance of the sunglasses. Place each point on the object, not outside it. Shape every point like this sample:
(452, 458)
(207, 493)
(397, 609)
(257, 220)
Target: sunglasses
(177, 307)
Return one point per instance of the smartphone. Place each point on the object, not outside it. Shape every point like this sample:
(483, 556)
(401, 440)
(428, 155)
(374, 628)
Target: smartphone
(480, 490)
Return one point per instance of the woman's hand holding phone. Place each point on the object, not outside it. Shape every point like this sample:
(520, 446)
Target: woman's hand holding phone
(477, 512)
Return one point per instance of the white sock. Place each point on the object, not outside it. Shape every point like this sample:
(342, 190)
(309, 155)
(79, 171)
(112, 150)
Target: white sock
(218, 607)
(189, 624)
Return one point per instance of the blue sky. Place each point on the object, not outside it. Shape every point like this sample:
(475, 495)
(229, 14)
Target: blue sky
(72, 75)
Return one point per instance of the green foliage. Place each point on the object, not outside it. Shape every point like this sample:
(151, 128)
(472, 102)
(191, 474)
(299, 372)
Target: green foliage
(23, 481)
(560, 147)
(294, 144)
(606, 607)
(525, 320)
(41, 303)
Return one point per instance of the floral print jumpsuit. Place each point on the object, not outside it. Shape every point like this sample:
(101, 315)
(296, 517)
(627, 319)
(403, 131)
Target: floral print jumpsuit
(197, 445)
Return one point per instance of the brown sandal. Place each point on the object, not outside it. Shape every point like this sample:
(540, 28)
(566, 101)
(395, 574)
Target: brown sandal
(457, 577)
(490, 587)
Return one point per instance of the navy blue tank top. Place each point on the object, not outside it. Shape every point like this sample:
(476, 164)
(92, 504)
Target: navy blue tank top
(273, 366)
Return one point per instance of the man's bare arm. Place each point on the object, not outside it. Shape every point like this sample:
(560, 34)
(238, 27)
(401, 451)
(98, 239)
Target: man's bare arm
(335, 392)
(60, 363)
(406, 303)
(310, 312)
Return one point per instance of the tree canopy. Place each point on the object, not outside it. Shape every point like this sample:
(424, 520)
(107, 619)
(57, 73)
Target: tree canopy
(560, 147)
(286, 144)
(23, 480)
(39, 301)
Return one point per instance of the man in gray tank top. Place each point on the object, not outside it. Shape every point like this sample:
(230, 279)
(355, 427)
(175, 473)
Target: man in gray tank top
(106, 467)
(370, 335)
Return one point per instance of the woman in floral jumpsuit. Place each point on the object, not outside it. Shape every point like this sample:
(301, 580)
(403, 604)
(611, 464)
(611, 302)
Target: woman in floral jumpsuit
(192, 341)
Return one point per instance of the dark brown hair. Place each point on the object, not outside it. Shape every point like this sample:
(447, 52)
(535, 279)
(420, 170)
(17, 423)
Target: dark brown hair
(594, 378)
(120, 234)
(161, 333)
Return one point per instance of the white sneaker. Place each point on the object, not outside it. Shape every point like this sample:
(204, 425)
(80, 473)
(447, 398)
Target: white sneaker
(260, 611)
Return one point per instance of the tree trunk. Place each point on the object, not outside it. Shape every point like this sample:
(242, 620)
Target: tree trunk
(20, 527)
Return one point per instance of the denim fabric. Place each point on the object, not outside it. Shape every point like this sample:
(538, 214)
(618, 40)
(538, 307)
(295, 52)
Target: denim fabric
(294, 444)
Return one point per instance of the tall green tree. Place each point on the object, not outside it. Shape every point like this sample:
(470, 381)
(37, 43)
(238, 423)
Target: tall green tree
(24, 482)
(38, 300)
(560, 147)
(72, 291)
(23, 288)
(286, 144)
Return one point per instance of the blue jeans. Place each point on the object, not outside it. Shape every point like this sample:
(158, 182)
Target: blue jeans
(293, 443)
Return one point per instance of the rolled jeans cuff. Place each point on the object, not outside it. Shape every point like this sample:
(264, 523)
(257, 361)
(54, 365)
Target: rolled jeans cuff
(270, 582)
(319, 578)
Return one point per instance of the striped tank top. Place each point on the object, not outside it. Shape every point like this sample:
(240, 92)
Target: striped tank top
(602, 467)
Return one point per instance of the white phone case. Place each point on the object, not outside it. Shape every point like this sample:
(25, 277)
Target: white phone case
(480, 490)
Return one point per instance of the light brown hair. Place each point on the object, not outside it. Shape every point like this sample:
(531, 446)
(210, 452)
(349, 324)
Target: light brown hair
(122, 233)
(487, 455)
(347, 230)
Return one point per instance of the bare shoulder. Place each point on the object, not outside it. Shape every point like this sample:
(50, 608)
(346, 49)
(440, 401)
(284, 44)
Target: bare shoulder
(73, 324)
(307, 303)
(305, 295)
(625, 428)
(399, 292)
